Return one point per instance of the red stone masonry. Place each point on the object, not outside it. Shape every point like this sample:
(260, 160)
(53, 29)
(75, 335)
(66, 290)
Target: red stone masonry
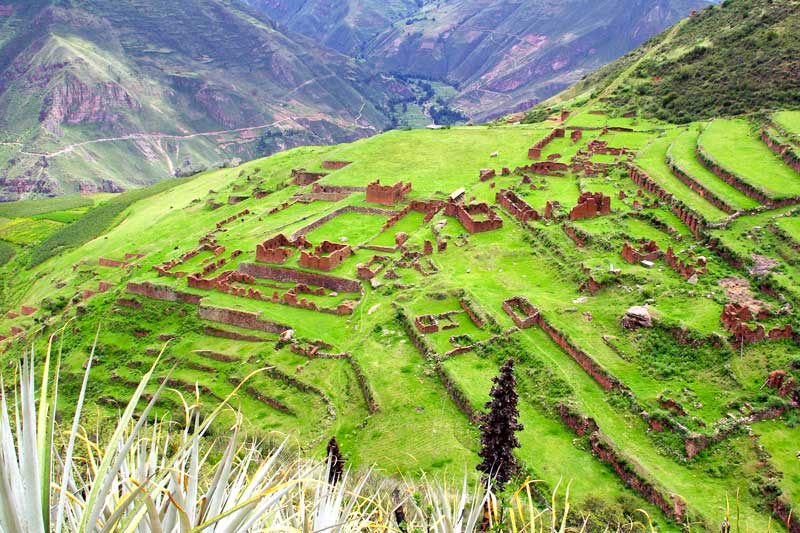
(694, 221)
(786, 152)
(387, 194)
(591, 205)
(486, 174)
(238, 318)
(335, 165)
(521, 312)
(647, 252)
(279, 248)
(298, 276)
(545, 168)
(161, 292)
(27, 310)
(735, 317)
(466, 214)
(535, 152)
(113, 263)
(326, 256)
(303, 177)
(515, 205)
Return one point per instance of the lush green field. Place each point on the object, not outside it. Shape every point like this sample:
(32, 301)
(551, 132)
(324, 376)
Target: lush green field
(789, 121)
(30, 208)
(388, 403)
(734, 144)
(683, 155)
(652, 160)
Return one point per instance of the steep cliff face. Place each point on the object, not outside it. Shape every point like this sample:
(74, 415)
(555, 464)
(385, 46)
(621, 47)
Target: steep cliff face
(74, 102)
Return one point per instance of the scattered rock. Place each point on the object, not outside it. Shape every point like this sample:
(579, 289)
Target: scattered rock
(581, 300)
(692, 280)
(637, 317)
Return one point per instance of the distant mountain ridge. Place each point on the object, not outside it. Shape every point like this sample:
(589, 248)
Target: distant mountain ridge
(106, 96)
(501, 55)
(153, 75)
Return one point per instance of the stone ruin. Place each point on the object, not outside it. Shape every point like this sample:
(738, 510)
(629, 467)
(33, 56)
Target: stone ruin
(591, 205)
(545, 168)
(279, 248)
(521, 312)
(576, 136)
(301, 176)
(647, 252)
(535, 152)
(325, 256)
(735, 318)
(515, 205)
(335, 165)
(486, 174)
(387, 194)
(469, 214)
(376, 265)
(684, 268)
(432, 323)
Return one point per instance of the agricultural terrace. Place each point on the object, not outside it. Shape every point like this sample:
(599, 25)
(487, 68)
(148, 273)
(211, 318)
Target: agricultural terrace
(735, 147)
(381, 285)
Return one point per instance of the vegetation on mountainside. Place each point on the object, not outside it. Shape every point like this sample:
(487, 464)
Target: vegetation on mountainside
(736, 57)
(644, 382)
(94, 222)
(31, 208)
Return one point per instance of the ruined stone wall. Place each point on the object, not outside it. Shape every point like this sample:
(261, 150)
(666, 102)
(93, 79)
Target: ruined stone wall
(535, 152)
(161, 292)
(239, 318)
(464, 214)
(456, 394)
(591, 205)
(387, 194)
(672, 506)
(786, 152)
(327, 256)
(335, 165)
(648, 252)
(113, 263)
(303, 177)
(735, 318)
(346, 209)
(690, 182)
(297, 276)
(728, 177)
(515, 205)
(693, 220)
(279, 248)
(545, 168)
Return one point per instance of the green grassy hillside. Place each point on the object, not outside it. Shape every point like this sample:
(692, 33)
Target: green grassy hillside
(736, 57)
(395, 404)
(104, 96)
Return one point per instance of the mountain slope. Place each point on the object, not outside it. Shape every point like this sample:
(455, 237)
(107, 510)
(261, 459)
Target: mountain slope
(145, 78)
(505, 55)
(737, 57)
(345, 25)
(501, 55)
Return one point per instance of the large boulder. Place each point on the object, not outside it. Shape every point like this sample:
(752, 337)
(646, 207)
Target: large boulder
(637, 317)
